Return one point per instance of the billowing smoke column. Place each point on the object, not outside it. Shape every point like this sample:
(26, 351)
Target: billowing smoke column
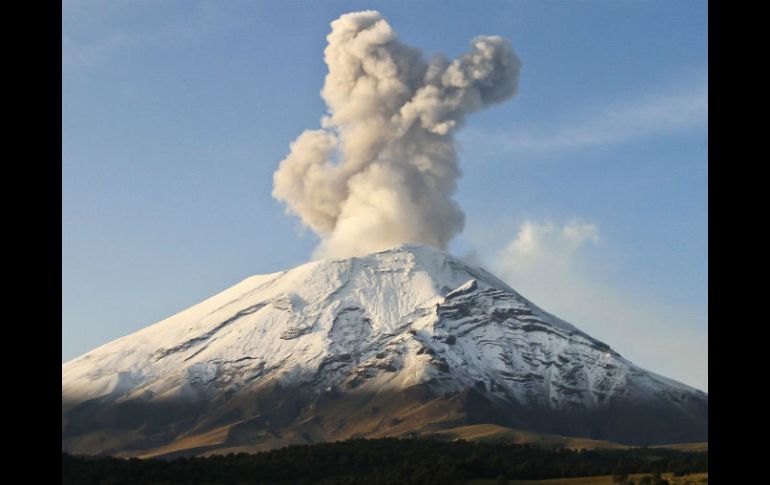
(383, 168)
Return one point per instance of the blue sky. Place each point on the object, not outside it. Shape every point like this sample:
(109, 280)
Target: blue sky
(587, 191)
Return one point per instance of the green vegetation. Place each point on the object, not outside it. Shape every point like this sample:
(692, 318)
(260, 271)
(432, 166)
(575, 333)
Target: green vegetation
(690, 479)
(387, 461)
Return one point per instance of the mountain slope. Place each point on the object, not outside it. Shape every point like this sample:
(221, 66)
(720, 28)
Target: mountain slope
(407, 340)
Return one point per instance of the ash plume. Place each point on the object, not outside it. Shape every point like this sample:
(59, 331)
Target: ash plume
(382, 169)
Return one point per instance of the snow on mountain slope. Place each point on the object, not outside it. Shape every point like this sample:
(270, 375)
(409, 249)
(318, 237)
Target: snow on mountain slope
(414, 312)
(405, 317)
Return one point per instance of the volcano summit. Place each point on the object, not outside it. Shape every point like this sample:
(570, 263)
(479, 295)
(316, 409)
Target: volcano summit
(407, 341)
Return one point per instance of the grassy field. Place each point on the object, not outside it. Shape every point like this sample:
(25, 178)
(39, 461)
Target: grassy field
(696, 479)
(492, 433)
(686, 446)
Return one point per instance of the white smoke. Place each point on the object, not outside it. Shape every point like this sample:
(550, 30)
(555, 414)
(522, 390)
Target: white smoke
(383, 168)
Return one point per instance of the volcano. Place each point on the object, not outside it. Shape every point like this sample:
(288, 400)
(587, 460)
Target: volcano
(405, 342)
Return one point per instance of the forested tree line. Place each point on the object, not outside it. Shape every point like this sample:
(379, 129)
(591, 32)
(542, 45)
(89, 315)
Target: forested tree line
(380, 461)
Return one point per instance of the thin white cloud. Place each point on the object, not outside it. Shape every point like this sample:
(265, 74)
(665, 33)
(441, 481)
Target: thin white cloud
(86, 54)
(655, 115)
(551, 265)
(90, 34)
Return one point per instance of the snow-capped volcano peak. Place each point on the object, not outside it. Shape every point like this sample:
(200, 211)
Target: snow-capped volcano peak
(405, 317)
